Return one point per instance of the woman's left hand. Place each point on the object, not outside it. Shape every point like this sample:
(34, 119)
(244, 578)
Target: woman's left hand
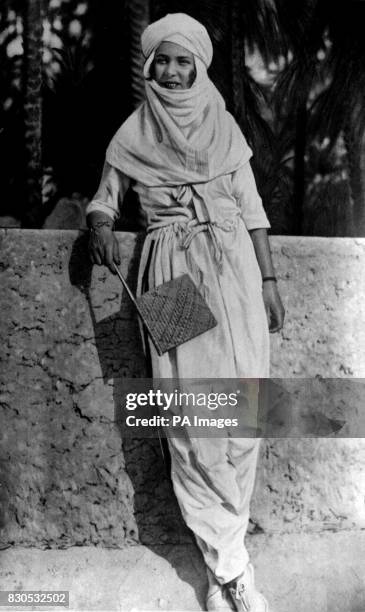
(274, 307)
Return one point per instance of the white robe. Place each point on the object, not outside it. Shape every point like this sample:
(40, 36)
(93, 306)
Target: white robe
(213, 478)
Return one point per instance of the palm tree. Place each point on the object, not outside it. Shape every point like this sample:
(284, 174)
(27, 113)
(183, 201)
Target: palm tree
(328, 54)
(138, 14)
(322, 87)
(341, 108)
(32, 84)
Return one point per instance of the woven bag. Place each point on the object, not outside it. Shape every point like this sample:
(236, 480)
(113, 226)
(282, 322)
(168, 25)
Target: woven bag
(173, 312)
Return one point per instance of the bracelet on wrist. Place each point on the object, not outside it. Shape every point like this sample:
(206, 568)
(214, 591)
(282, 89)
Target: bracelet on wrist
(269, 278)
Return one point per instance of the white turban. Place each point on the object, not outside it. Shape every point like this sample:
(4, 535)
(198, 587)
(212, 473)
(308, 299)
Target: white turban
(182, 30)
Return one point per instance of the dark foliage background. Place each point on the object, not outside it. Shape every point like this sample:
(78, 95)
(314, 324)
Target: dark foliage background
(292, 73)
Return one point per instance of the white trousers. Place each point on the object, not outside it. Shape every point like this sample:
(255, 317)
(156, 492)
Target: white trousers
(213, 479)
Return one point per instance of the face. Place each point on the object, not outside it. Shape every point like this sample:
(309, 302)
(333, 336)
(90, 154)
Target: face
(173, 66)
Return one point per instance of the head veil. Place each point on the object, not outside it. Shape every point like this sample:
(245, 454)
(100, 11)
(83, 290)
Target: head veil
(184, 135)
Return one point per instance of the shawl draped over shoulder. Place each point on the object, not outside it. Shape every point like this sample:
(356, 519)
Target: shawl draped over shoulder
(180, 136)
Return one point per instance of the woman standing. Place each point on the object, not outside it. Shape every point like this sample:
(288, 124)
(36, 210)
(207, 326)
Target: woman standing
(186, 158)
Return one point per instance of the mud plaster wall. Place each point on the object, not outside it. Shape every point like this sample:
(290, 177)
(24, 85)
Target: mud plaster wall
(69, 337)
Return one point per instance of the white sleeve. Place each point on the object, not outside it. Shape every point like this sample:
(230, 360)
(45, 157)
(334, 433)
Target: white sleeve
(245, 191)
(111, 191)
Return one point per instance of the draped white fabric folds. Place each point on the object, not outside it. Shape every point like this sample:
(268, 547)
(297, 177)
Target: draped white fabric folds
(184, 135)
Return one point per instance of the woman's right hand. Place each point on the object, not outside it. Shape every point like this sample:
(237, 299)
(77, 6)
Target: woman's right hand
(103, 245)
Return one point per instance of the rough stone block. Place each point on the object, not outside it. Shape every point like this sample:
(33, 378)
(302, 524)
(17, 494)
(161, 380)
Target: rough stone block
(70, 337)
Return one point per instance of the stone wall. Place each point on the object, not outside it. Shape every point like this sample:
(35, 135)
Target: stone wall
(69, 339)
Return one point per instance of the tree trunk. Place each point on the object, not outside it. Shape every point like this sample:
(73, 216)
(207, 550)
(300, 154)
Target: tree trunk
(138, 14)
(237, 101)
(355, 148)
(33, 30)
(299, 167)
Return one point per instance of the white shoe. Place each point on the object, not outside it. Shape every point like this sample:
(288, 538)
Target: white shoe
(244, 595)
(217, 599)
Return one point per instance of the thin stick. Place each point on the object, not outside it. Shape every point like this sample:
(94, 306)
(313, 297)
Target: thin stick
(133, 300)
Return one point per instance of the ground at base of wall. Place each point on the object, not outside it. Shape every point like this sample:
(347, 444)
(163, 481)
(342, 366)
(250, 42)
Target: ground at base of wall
(306, 572)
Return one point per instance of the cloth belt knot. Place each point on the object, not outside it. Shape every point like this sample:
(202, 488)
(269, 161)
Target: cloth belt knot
(188, 231)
